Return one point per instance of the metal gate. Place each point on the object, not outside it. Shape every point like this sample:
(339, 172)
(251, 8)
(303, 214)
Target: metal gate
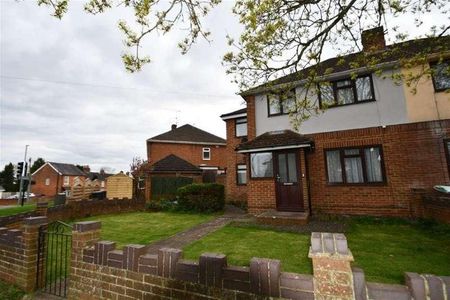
(53, 263)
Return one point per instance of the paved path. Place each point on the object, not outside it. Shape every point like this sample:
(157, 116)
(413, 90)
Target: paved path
(184, 238)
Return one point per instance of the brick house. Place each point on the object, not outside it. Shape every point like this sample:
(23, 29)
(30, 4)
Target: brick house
(198, 147)
(53, 178)
(375, 147)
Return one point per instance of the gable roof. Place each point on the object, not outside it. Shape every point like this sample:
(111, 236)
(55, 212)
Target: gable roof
(98, 175)
(67, 169)
(274, 140)
(188, 134)
(392, 53)
(173, 163)
(235, 114)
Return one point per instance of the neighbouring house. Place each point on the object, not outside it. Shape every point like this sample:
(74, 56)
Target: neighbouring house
(100, 176)
(53, 178)
(187, 152)
(372, 151)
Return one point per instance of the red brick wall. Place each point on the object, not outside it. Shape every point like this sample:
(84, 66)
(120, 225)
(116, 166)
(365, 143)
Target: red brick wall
(233, 191)
(189, 152)
(414, 158)
(261, 195)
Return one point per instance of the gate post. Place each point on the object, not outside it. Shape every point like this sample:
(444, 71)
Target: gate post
(30, 250)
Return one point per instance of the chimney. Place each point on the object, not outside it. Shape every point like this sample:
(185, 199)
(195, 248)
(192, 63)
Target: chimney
(174, 126)
(373, 39)
(86, 169)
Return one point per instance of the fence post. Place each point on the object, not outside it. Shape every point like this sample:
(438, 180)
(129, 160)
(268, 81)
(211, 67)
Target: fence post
(30, 252)
(333, 277)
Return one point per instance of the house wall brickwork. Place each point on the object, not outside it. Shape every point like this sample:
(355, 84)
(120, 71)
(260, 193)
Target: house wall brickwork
(190, 152)
(56, 182)
(414, 158)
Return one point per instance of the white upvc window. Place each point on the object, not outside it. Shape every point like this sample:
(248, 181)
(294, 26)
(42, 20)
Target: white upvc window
(66, 180)
(206, 153)
(47, 181)
(102, 184)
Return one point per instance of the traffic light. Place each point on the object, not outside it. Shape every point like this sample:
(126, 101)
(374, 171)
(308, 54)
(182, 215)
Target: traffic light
(19, 170)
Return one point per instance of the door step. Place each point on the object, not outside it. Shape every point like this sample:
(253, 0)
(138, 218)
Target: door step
(282, 218)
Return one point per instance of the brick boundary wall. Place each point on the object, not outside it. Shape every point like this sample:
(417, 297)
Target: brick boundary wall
(99, 271)
(18, 253)
(74, 210)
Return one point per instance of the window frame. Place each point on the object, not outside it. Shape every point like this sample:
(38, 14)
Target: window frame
(47, 181)
(432, 64)
(66, 178)
(280, 105)
(447, 154)
(208, 150)
(237, 174)
(352, 85)
(362, 155)
(235, 126)
(250, 166)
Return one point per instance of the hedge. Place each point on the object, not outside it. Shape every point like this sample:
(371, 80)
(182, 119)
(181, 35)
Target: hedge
(206, 197)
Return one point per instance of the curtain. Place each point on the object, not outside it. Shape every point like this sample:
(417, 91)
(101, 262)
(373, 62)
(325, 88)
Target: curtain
(373, 164)
(353, 170)
(334, 166)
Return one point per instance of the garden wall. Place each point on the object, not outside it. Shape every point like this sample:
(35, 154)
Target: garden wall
(99, 271)
(434, 206)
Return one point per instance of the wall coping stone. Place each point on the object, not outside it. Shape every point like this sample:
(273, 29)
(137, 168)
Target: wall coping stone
(332, 245)
(35, 220)
(87, 226)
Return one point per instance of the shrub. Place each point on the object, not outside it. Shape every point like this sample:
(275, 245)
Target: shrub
(207, 197)
(162, 205)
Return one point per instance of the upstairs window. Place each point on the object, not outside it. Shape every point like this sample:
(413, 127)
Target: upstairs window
(241, 127)
(206, 154)
(346, 91)
(281, 104)
(441, 75)
(66, 180)
(357, 165)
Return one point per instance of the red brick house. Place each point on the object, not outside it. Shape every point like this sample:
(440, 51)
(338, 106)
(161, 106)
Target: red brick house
(198, 147)
(374, 148)
(53, 178)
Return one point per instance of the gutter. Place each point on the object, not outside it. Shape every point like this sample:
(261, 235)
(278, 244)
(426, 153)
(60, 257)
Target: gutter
(274, 148)
(186, 142)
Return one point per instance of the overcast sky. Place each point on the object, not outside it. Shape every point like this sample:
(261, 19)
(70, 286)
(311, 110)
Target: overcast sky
(85, 108)
(64, 90)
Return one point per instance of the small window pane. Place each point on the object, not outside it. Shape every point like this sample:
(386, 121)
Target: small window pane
(363, 89)
(274, 104)
(353, 170)
(241, 174)
(342, 83)
(334, 166)
(351, 151)
(282, 170)
(373, 164)
(326, 94)
(441, 75)
(206, 154)
(261, 164)
(292, 165)
(241, 127)
(345, 96)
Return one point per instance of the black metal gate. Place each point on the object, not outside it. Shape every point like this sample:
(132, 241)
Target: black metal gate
(53, 263)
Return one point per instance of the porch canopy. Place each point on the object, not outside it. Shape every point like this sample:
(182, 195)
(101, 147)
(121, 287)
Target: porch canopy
(275, 140)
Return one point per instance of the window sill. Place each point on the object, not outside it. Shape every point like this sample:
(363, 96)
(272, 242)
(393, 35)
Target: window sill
(349, 104)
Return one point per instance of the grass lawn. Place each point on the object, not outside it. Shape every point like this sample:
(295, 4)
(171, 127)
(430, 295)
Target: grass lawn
(10, 292)
(16, 209)
(385, 249)
(146, 227)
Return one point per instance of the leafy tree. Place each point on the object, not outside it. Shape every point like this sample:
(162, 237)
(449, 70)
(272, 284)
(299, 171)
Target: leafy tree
(7, 179)
(37, 164)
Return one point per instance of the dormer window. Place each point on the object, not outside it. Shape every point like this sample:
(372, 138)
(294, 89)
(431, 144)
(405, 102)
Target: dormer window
(346, 91)
(441, 75)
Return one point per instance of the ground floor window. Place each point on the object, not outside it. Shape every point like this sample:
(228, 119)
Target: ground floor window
(241, 174)
(356, 165)
(261, 165)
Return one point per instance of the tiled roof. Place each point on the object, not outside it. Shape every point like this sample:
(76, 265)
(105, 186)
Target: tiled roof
(98, 175)
(188, 133)
(67, 169)
(236, 112)
(173, 163)
(274, 139)
(391, 53)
